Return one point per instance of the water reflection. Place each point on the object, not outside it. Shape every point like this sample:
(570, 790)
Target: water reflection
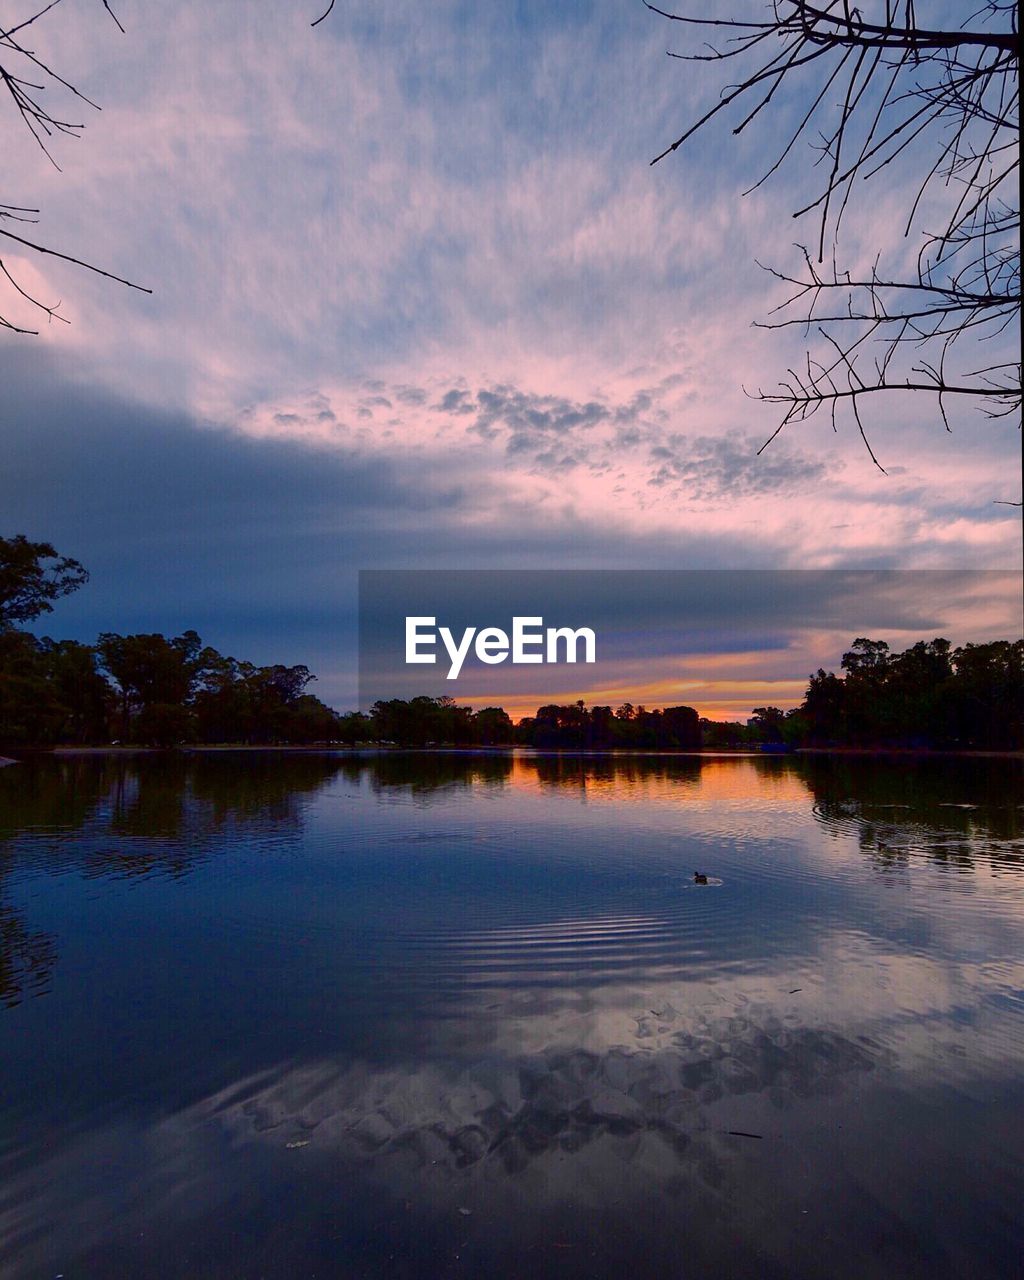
(129, 816)
(27, 958)
(431, 1015)
(513, 1112)
(956, 811)
(422, 774)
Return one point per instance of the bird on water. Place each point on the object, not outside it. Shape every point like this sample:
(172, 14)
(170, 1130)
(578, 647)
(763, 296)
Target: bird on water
(699, 877)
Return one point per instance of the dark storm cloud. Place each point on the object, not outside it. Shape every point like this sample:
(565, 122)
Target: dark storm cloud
(184, 525)
(256, 542)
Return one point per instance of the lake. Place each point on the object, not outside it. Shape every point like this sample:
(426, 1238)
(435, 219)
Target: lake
(313, 1015)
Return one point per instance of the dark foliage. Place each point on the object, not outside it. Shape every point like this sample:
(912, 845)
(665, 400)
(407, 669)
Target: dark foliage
(600, 728)
(32, 576)
(157, 691)
(928, 696)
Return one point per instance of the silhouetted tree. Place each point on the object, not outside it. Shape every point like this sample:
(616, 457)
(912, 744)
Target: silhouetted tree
(867, 86)
(151, 671)
(926, 696)
(866, 708)
(29, 708)
(354, 728)
(719, 734)
(825, 708)
(81, 692)
(32, 576)
(577, 727)
(493, 727)
(985, 701)
(768, 723)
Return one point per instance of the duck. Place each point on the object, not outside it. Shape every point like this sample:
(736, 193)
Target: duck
(699, 877)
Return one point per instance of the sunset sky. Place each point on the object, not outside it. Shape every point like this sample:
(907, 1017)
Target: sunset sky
(420, 301)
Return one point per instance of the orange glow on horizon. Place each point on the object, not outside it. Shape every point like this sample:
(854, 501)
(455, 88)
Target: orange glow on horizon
(713, 699)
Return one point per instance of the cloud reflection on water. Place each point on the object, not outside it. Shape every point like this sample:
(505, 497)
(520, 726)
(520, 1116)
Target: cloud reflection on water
(418, 986)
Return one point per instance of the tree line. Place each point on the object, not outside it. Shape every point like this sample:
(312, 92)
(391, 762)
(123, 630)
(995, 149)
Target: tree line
(152, 690)
(146, 688)
(426, 721)
(929, 696)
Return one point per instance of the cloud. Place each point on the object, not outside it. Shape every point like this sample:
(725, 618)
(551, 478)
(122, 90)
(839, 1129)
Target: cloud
(418, 298)
(252, 531)
(256, 540)
(722, 641)
(726, 468)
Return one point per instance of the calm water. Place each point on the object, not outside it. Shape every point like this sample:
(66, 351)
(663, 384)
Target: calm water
(298, 1016)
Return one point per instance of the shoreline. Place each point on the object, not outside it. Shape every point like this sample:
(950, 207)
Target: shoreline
(328, 749)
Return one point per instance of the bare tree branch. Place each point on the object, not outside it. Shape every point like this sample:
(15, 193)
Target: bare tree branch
(24, 78)
(882, 85)
(19, 62)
